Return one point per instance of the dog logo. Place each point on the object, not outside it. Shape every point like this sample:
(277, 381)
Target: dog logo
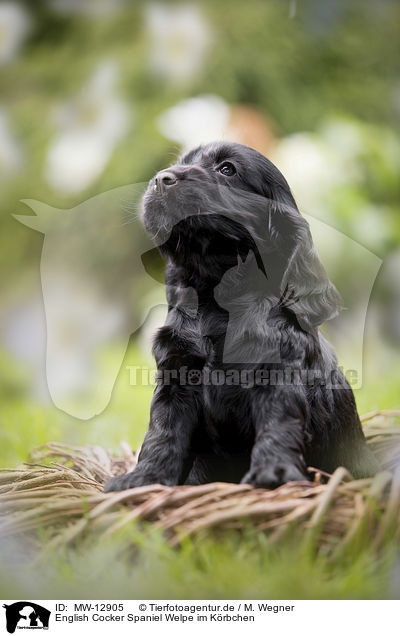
(26, 615)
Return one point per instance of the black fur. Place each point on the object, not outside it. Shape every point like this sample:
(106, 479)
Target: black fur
(246, 294)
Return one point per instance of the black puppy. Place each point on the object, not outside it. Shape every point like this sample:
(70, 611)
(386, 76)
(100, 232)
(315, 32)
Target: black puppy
(248, 389)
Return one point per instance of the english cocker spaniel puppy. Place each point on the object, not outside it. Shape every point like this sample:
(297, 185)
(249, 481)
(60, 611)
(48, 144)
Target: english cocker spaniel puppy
(248, 389)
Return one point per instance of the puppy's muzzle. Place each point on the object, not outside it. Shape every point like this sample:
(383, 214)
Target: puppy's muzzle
(166, 179)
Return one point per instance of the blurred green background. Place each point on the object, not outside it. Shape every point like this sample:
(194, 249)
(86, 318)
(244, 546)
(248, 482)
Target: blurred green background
(96, 94)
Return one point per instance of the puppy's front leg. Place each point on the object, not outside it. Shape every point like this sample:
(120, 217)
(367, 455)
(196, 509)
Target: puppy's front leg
(279, 416)
(165, 454)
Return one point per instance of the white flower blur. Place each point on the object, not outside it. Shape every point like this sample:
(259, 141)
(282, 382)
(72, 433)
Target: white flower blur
(196, 121)
(90, 127)
(311, 167)
(14, 27)
(179, 38)
(206, 118)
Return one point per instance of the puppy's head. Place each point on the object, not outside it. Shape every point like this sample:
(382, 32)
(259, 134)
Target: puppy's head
(225, 199)
(225, 179)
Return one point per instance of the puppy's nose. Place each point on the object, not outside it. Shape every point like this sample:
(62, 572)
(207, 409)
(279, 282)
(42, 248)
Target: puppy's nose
(165, 179)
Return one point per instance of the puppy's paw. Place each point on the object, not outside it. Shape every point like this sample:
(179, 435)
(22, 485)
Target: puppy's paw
(273, 475)
(130, 480)
(135, 479)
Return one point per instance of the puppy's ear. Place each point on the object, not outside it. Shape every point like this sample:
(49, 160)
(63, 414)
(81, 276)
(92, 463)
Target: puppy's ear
(306, 289)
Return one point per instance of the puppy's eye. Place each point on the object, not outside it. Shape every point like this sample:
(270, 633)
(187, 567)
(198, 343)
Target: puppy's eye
(227, 169)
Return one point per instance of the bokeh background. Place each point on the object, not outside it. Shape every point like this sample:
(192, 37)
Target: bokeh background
(97, 94)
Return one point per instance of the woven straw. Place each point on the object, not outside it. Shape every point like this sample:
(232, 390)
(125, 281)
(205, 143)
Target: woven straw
(60, 492)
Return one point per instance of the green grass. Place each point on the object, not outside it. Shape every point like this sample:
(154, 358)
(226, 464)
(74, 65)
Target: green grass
(237, 566)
